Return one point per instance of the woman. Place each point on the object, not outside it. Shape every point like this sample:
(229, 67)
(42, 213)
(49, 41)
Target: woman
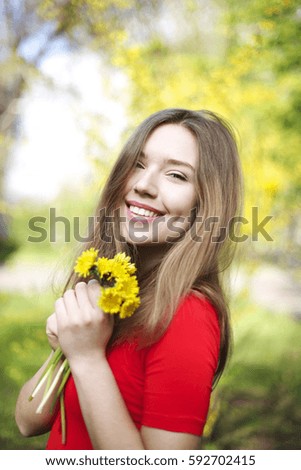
(145, 382)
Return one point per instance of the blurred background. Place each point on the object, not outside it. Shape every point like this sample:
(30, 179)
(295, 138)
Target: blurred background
(75, 77)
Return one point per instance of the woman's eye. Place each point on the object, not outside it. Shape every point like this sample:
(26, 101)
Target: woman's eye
(178, 176)
(139, 165)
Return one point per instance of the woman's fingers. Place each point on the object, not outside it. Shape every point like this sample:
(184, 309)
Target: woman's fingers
(82, 326)
(94, 293)
(84, 301)
(60, 312)
(78, 304)
(51, 331)
(51, 325)
(70, 303)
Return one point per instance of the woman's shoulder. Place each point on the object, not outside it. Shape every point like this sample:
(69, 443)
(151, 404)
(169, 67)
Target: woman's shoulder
(195, 304)
(193, 331)
(195, 317)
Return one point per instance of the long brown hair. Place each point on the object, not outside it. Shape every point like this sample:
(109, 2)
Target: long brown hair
(198, 259)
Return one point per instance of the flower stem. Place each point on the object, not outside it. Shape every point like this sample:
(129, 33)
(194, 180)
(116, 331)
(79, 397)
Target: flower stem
(67, 372)
(65, 378)
(52, 387)
(63, 417)
(40, 383)
(53, 362)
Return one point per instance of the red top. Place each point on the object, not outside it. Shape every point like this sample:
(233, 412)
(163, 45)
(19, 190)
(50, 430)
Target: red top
(166, 385)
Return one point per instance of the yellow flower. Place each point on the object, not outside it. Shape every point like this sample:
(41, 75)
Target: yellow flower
(119, 286)
(122, 298)
(129, 307)
(118, 295)
(125, 261)
(85, 262)
(103, 266)
(110, 300)
(118, 266)
(128, 284)
(118, 270)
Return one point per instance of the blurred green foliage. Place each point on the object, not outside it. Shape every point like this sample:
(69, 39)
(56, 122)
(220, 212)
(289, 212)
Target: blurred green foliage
(48, 232)
(258, 399)
(239, 60)
(23, 348)
(252, 80)
(7, 247)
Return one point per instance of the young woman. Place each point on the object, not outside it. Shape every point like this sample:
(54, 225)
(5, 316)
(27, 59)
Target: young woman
(145, 382)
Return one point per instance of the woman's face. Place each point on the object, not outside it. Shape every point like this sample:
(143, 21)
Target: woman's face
(160, 192)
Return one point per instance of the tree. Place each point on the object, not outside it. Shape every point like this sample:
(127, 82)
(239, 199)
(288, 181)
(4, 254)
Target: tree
(250, 75)
(30, 29)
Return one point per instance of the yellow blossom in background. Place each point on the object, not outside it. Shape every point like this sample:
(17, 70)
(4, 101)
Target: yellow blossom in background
(85, 262)
(267, 25)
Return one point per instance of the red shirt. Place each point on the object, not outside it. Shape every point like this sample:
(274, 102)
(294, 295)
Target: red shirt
(166, 385)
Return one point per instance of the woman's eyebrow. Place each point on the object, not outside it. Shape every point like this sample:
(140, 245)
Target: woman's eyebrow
(172, 161)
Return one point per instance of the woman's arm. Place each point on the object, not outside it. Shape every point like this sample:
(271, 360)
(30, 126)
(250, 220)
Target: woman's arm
(108, 421)
(28, 421)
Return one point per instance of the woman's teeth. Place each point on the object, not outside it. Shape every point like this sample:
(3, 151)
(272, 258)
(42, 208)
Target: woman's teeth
(143, 212)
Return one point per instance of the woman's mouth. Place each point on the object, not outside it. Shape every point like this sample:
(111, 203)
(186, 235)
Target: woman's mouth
(140, 214)
(144, 212)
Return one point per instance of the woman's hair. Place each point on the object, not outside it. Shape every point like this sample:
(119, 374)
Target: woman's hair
(197, 260)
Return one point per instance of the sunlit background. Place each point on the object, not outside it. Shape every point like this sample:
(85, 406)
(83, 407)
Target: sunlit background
(75, 77)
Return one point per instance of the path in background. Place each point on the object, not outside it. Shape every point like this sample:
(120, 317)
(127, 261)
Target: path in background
(29, 277)
(270, 286)
(277, 290)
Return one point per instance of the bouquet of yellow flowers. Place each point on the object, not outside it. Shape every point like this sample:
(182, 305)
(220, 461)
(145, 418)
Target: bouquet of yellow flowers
(119, 294)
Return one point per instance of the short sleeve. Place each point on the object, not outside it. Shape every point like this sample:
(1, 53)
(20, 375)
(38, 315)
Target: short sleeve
(180, 368)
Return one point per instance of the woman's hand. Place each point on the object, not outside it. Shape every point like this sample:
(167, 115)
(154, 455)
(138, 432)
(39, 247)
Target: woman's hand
(51, 331)
(83, 329)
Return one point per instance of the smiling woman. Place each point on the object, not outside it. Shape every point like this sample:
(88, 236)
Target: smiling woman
(161, 189)
(145, 382)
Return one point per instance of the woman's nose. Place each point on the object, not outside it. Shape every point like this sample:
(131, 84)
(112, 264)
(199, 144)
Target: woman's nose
(146, 183)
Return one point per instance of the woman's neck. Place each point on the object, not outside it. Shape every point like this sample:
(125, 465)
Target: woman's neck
(150, 256)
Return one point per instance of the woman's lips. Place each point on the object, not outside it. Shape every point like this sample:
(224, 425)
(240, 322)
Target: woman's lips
(136, 206)
(141, 214)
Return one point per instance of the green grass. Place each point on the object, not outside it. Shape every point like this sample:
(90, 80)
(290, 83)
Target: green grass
(23, 348)
(59, 234)
(256, 405)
